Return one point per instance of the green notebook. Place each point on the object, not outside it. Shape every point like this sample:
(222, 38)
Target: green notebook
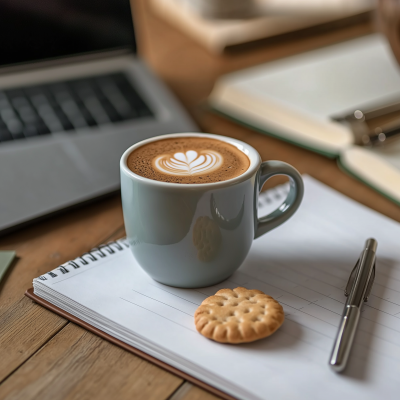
(296, 98)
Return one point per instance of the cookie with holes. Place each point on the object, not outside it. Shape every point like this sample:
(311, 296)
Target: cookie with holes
(238, 316)
(207, 238)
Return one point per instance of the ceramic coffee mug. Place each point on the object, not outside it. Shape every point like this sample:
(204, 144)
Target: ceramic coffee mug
(194, 235)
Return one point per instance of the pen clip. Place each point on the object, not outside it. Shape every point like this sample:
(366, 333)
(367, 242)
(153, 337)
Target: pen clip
(370, 283)
(351, 279)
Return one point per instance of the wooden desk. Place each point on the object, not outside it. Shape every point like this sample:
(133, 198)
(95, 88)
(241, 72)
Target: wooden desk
(43, 355)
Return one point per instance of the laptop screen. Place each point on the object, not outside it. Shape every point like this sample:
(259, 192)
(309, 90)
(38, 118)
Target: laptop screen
(36, 30)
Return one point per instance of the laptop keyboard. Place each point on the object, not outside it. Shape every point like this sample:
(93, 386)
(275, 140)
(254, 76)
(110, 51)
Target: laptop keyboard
(68, 106)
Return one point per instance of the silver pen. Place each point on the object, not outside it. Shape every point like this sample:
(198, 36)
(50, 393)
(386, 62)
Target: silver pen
(357, 291)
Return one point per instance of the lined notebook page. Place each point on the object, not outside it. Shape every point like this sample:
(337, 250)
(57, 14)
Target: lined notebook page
(304, 264)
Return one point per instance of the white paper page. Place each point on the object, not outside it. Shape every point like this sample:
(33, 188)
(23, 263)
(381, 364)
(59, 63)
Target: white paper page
(305, 265)
(327, 82)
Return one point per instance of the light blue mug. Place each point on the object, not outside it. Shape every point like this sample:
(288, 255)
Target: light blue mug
(194, 235)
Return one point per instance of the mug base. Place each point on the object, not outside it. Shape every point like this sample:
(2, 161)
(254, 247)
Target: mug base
(191, 285)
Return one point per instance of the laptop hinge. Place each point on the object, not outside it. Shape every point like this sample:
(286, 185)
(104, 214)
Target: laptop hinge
(10, 69)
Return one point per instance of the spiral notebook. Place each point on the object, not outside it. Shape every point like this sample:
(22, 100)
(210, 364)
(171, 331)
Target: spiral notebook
(304, 264)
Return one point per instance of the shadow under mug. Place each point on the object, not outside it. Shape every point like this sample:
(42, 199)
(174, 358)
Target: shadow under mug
(195, 235)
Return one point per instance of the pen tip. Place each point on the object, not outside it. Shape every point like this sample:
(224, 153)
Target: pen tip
(371, 243)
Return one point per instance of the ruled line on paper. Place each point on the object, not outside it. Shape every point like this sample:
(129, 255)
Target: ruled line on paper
(345, 276)
(152, 298)
(293, 316)
(340, 289)
(331, 233)
(305, 326)
(281, 300)
(174, 294)
(162, 316)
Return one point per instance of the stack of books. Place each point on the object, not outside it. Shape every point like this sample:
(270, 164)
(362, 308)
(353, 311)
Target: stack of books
(265, 19)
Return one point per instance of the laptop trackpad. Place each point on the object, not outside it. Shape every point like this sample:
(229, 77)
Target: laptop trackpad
(47, 177)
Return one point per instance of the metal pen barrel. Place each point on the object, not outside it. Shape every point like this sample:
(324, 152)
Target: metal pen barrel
(357, 291)
(344, 338)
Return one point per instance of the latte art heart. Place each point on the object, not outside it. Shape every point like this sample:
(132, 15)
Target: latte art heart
(189, 163)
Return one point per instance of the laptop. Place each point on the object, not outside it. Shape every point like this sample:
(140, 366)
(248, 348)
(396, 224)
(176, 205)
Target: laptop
(73, 96)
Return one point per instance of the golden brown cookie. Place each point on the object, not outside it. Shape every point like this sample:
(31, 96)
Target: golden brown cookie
(207, 238)
(238, 316)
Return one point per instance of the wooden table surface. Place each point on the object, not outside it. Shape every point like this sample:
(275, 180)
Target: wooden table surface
(43, 355)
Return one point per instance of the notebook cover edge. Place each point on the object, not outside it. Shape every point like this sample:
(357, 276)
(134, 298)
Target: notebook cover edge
(30, 294)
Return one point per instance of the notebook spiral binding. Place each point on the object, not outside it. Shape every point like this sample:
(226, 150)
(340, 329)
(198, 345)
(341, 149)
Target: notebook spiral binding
(273, 195)
(102, 251)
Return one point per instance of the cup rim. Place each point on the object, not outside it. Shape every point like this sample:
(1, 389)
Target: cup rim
(251, 153)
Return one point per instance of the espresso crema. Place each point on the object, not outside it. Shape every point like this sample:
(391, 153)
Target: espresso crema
(188, 160)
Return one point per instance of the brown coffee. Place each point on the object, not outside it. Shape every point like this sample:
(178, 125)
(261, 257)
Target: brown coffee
(188, 160)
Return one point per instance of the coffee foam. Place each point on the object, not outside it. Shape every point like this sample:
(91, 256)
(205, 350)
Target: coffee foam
(190, 163)
(188, 160)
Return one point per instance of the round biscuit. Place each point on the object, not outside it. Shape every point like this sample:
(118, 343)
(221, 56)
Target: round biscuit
(238, 316)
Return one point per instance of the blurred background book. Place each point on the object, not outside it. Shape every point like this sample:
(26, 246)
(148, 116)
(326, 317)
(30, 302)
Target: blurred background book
(342, 101)
(218, 24)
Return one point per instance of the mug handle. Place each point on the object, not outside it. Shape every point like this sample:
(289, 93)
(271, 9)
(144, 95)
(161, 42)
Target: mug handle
(292, 201)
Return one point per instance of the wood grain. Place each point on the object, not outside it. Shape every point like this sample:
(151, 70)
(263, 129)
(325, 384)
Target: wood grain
(76, 364)
(24, 328)
(47, 244)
